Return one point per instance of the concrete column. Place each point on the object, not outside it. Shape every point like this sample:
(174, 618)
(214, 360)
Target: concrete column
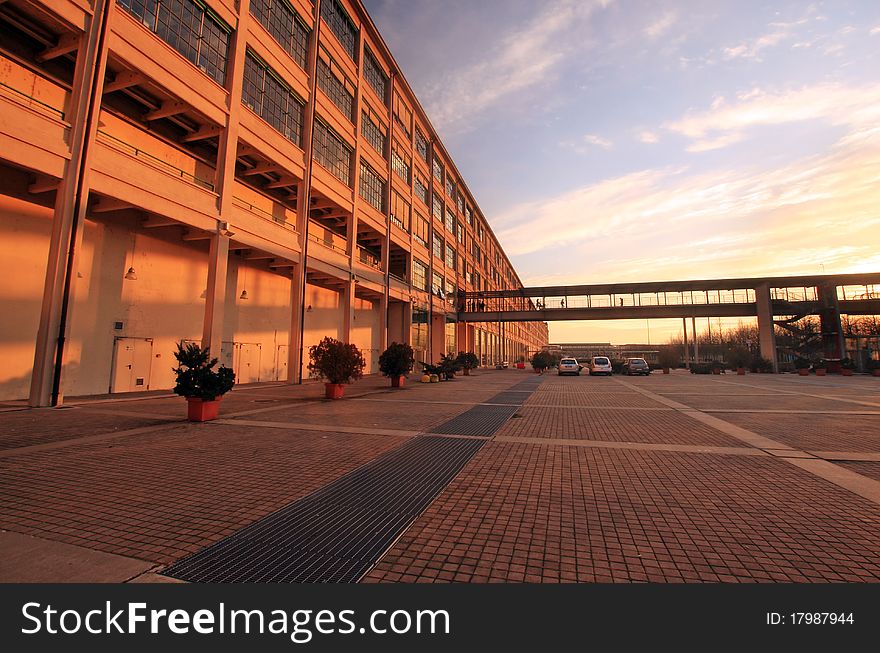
(766, 335)
(215, 297)
(407, 323)
(346, 305)
(687, 353)
(696, 340)
(829, 317)
(70, 211)
(383, 321)
(438, 336)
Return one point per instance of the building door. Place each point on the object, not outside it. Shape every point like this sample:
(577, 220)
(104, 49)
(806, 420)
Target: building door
(281, 363)
(132, 361)
(247, 362)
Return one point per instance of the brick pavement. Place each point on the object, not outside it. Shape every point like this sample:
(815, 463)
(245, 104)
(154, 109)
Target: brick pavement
(606, 480)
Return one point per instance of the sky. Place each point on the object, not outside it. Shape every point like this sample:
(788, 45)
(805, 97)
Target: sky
(633, 140)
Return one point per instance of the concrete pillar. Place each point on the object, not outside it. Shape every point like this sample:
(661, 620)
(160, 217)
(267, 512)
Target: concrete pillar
(346, 305)
(215, 294)
(70, 211)
(687, 353)
(829, 317)
(696, 340)
(766, 335)
(438, 336)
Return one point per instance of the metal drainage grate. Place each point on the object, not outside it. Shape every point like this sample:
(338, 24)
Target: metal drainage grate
(479, 420)
(336, 534)
(509, 397)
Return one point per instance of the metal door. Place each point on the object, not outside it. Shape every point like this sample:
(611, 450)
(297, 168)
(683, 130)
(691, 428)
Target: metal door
(281, 363)
(132, 362)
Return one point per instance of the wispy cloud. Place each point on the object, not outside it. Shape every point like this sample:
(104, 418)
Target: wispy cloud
(661, 25)
(520, 60)
(752, 48)
(725, 123)
(648, 137)
(588, 142)
(875, 31)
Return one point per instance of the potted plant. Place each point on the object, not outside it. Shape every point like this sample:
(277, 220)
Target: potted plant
(873, 367)
(541, 361)
(802, 365)
(821, 368)
(199, 382)
(337, 363)
(717, 367)
(668, 358)
(738, 359)
(761, 365)
(521, 363)
(847, 366)
(396, 362)
(468, 361)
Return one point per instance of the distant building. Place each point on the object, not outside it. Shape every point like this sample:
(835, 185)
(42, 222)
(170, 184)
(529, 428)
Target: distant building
(586, 350)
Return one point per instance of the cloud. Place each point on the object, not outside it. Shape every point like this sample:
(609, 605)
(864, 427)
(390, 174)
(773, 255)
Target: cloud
(661, 25)
(648, 137)
(598, 141)
(751, 49)
(521, 59)
(875, 31)
(670, 223)
(726, 123)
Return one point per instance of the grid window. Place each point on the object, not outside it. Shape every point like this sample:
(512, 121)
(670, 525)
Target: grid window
(437, 207)
(374, 75)
(450, 256)
(188, 27)
(460, 233)
(421, 189)
(399, 211)
(374, 132)
(284, 24)
(460, 204)
(332, 152)
(400, 163)
(438, 170)
(450, 221)
(421, 145)
(271, 99)
(336, 86)
(437, 284)
(403, 115)
(437, 246)
(372, 188)
(450, 187)
(421, 229)
(341, 26)
(470, 216)
(420, 275)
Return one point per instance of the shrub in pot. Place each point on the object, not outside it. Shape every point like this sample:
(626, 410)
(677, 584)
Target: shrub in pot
(199, 382)
(738, 359)
(821, 368)
(337, 363)
(541, 361)
(873, 367)
(468, 361)
(396, 362)
(761, 364)
(802, 365)
(668, 358)
(847, 366)
(716, 367)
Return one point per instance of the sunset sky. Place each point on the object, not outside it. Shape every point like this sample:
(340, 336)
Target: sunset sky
(629, 140)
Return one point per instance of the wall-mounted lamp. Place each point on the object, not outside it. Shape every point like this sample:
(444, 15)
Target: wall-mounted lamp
(223, 229)
(131, 275)
(243, 295)
(309, 309)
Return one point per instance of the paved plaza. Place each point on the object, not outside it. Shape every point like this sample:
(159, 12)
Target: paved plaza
(667, 478)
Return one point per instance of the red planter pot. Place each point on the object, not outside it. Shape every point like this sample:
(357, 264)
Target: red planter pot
(846, 372)
(875, 372)
(666, 370)
(520, 366)
(397, 381)
(334, 390)
(741, 371)
(803, 372)
(715, 370)
(199, 410)
(821, 372)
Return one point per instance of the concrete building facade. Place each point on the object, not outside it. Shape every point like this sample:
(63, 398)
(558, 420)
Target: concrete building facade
(252, 175)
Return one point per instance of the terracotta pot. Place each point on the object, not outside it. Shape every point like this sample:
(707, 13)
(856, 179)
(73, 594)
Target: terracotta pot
(741, 371)
(435, 378)
(821, 371)
(803, 372)
(846, 372)
(426, 378)
(467, 371)
(875, 372)
(666, 370)
(397, 381)
(199, 410)
(537, 371)
(334, 390)
(716, 370)
(520, 366)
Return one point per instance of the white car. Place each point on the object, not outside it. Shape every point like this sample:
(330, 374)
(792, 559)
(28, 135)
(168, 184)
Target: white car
(600, 365)
(569, 366)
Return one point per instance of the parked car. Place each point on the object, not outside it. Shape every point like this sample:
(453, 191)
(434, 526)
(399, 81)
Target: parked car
(569, 366)
(636, 366)
(600, 365)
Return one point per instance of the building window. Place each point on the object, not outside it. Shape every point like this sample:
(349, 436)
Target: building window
(374, 132)
(450, 337)
(438, 170)
(332, 152)
(375, 76)
(421, 145)
(270, 98)
(470, 216)
(421, 189)
(459, 234)
(420, 275)
(335, 85)
(284, 24)
(460, 204)
(402, 114)
(341, 25)
(437, 207)
(450, 187)
(400, 163)
(438, 246)
(399, 211)
(372, 188)
(421, 229)
(190, 28)
(437, 284)
(450, 256)
(450, 221)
